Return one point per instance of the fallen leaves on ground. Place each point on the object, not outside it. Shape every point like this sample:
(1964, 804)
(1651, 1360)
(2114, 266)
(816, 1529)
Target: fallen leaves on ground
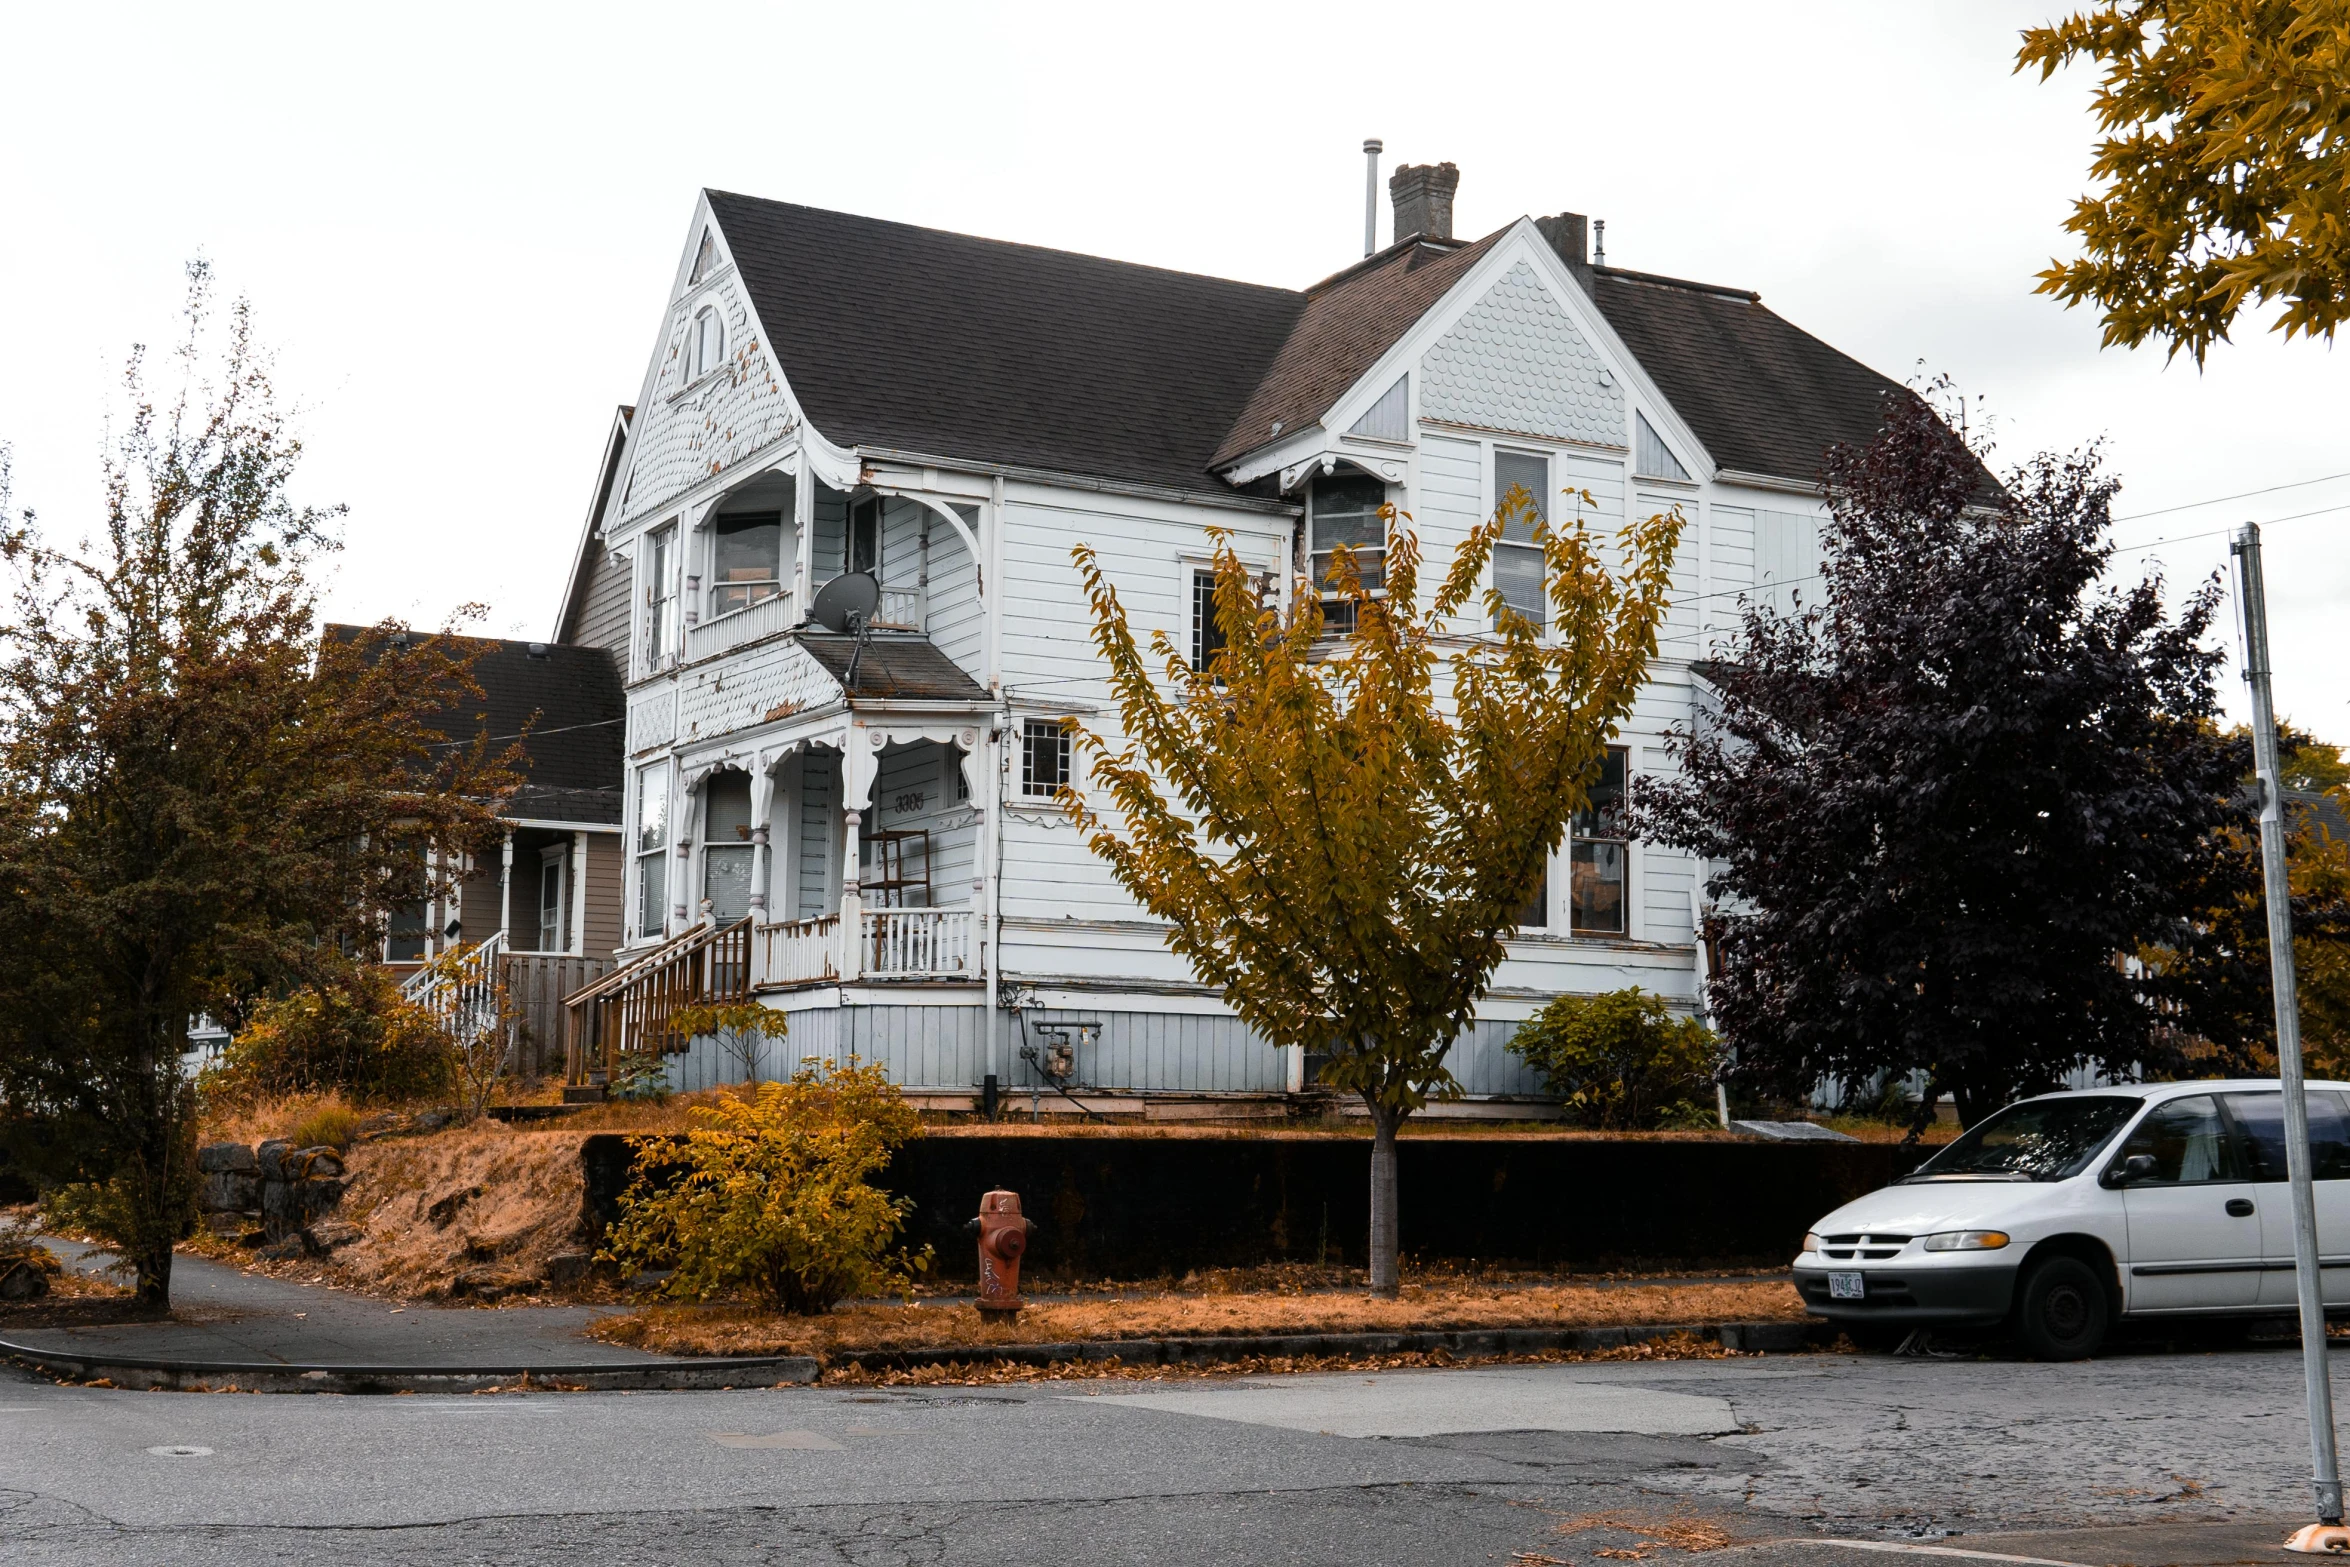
(1655, 1534)
(739, 1330)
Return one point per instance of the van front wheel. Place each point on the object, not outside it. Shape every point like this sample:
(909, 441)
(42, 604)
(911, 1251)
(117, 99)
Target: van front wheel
(2061, 1309)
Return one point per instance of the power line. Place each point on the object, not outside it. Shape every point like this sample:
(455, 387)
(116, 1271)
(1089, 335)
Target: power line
(2217, 500)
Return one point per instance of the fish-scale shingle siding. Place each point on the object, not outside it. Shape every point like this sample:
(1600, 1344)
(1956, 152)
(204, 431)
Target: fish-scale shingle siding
(1515, 362)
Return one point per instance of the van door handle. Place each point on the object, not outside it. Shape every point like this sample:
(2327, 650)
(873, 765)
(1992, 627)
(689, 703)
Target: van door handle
(2239, 1207)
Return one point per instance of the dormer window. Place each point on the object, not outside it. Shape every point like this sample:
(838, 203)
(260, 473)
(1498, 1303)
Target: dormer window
(1344, 510)
(706, 345)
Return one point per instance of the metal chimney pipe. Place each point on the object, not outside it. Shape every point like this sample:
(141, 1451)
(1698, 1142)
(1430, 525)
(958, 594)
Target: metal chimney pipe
(1599, 234)
(1371, 150)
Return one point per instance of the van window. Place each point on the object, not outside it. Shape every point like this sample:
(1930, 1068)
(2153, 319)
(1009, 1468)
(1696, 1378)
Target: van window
(2261, 1117)
(2188, 1142)
(2038, 1140)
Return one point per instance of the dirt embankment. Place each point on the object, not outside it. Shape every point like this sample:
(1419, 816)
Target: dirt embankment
(484, 1210)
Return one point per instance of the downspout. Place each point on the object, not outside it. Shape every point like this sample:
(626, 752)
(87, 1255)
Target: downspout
(991, 596)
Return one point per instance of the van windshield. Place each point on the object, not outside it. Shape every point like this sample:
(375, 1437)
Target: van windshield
(2038, 1140)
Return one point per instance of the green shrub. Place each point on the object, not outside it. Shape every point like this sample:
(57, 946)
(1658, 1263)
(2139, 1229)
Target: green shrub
(771, 1193)
(349, 1031)
(1621, 1061)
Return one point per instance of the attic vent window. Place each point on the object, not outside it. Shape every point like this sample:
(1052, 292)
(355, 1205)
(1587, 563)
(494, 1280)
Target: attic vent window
(708, 345)
(1652, 458)
(704, 258)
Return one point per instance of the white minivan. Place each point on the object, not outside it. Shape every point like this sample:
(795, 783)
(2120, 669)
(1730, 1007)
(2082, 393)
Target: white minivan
(2063, 1213)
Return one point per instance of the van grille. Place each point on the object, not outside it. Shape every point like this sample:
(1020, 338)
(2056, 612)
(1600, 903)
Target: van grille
(1863, 1248)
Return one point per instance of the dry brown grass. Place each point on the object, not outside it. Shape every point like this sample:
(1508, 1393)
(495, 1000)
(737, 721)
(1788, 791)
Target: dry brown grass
(736, 1330)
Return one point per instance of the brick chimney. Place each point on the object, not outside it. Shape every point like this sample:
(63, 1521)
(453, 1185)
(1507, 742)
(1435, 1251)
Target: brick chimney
(1423, 199)
(1570, 235)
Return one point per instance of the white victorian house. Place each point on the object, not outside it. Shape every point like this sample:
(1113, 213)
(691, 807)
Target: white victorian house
(861, 832)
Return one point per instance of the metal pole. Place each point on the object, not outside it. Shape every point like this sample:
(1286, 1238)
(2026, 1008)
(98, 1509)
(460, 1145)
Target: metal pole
(2252, 602)
(1371, 150)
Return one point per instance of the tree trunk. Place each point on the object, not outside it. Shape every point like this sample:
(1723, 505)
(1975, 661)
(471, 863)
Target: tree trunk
(1384, 1237)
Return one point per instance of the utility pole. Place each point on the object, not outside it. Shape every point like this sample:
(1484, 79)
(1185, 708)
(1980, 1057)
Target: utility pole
(2252, 605)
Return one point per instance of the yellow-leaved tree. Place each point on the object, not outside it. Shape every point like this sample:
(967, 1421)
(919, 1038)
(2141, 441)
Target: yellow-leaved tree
(2225, 156)
(1341, 832)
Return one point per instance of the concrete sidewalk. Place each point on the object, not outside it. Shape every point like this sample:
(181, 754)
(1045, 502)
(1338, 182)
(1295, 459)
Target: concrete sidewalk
(222, 1315)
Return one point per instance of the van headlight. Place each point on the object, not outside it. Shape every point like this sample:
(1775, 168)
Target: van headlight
(1967, 1240)
(1811, 1242)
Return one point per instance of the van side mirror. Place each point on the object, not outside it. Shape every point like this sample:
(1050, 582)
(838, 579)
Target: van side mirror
(2137, 1167)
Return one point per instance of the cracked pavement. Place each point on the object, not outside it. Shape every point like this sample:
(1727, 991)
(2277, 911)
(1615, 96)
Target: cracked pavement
(1487, 1464)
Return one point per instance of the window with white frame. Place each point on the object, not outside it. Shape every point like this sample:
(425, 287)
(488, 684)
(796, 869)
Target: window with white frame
(551, 868)
(962, 776)
(1517, 556)
(709, 344)
(1599, 856)
(728, 855)
(746, 560)
(1044, 757)
(660, 578)
(652, 850)
(1345, 513)
(1207, 636)
(864, 543)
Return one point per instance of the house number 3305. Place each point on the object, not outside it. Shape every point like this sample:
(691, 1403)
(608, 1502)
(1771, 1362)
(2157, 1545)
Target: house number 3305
(908, 804)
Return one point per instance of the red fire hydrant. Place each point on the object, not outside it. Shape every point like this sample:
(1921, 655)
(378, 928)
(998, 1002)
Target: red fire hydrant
(1003, 1236)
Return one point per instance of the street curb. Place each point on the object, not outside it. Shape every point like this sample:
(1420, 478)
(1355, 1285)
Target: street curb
(198, 1376)
(1745, 1336)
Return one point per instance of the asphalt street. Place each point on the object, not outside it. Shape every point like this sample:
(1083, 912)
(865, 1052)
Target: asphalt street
(2162, 1456)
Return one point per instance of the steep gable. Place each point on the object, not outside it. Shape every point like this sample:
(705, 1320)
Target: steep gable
(915, 339)
(1515, 361)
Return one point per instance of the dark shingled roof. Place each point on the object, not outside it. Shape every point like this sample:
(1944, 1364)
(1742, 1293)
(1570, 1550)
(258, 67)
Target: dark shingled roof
(1763, 395)
(921, 340)
(1348, 322)
(569, 696)
(894, 668)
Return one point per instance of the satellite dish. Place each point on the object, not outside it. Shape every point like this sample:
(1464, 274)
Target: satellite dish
(845, 599)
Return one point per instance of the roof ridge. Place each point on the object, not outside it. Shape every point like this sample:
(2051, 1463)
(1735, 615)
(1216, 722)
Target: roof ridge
(1727, 291)
(1378, 258)
(1004, 244)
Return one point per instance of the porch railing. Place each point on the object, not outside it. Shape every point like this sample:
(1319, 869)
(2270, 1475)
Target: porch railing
(737, 627)
(460, 989)
(920, 944)
(889, 944)
(900, 609)
(629, 1010)
(799, 952)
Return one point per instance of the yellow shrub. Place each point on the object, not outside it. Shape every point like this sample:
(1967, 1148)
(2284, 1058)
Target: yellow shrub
(771, 1192)
(352, 1030)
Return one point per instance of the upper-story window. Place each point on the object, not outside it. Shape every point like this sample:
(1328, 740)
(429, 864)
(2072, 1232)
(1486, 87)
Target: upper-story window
(746, 564)
(707, 345)
(1344, 511)
(1517, 557)
(864, 547)
(1207, 637)
(660, 589)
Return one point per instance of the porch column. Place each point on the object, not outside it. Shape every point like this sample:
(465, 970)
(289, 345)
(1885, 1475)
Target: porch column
(577, 945)
(859, 761)
(682, 870)
(506, 889)
(762, 802)
(803, 508)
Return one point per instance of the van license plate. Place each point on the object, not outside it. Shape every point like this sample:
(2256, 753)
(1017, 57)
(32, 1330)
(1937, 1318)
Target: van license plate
(1846, 1286)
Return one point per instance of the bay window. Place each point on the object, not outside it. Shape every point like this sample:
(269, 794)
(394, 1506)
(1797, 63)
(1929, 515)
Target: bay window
(660, 595)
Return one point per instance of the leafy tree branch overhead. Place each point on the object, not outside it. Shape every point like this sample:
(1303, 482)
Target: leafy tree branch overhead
(1341, 832)
(2223, 166)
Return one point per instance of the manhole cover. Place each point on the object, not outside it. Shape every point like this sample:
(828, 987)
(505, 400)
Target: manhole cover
(181, 1452)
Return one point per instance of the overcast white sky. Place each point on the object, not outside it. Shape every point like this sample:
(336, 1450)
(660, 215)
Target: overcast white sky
(457, 222)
